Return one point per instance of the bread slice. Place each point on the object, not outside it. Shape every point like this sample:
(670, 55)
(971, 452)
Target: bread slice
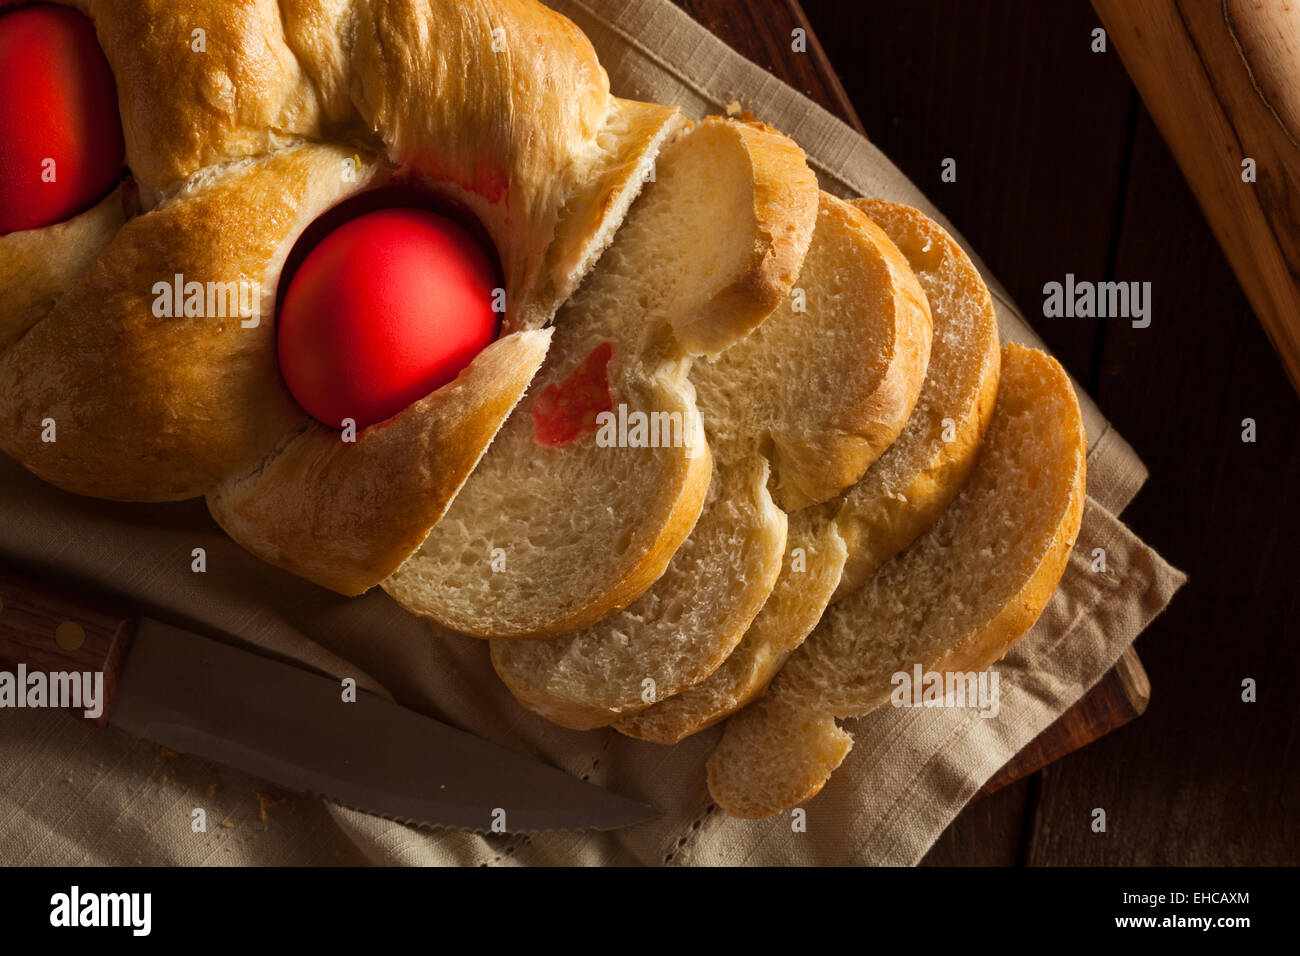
(915, 480)
(900, 496)
(563, 522)
(956, 600)
(812, 396)
(628, 144)
(828, 381)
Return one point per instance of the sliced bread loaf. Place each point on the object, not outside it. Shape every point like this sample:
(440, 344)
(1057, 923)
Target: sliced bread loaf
(908, 488)
(815, 552)
(810, 398)
(845, 540)
(568, 519)
(955, 600)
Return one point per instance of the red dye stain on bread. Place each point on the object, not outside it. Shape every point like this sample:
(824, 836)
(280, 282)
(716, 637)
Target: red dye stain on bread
(566, 410)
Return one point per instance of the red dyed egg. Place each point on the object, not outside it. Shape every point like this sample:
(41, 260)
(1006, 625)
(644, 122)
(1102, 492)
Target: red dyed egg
(61, 145)
(384, 310)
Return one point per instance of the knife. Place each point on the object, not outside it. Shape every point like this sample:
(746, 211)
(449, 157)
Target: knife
(286, 725)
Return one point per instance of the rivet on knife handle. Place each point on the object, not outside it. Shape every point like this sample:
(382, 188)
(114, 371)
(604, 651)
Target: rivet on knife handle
(48, 631)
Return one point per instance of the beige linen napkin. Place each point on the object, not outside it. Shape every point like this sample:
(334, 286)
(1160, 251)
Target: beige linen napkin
(71, 794)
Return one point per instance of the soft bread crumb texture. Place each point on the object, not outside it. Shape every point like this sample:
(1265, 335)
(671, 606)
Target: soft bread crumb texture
(679, 631)
(957, 598)
(814, 556)
(821, 388)
(906, 490)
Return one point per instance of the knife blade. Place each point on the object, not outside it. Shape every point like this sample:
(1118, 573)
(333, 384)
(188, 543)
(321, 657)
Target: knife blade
(292, 727)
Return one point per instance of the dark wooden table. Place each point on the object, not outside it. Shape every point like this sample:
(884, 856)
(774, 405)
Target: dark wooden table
(1061, 170)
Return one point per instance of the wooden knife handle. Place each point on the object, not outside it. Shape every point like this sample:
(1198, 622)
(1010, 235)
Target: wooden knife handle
(47, 630)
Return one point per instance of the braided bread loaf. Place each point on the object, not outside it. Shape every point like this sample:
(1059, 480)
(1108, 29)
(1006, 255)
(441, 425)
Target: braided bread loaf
(658, 587)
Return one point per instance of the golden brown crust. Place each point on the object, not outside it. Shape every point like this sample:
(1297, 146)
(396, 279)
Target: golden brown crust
(241, 95)
(878, 522)
(151, 408)
(347, 515)
(40, 265)
(810, 473)
(320, 33)
(1018, 616)
(500, 104)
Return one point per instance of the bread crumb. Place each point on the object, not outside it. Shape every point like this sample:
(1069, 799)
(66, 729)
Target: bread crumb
(166, 754)
(227, 825)
(67, 779)
(733, 107)
(265, 802)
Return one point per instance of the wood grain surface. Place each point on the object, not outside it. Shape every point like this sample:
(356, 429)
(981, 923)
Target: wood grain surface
(1061, 169)
(1222, 82)
(47, 631)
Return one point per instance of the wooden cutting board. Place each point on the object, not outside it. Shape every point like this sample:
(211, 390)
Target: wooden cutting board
(762, 30)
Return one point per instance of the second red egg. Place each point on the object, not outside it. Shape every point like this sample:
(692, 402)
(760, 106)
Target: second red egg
(61, 147)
